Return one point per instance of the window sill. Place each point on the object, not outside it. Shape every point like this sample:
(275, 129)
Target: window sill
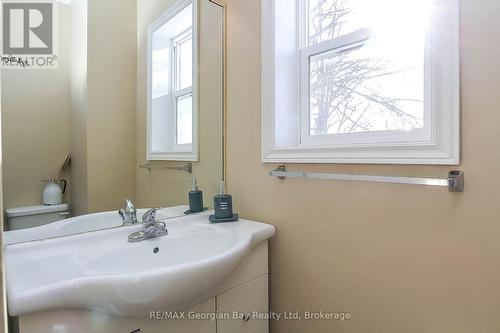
(180, 157)
(395, 155)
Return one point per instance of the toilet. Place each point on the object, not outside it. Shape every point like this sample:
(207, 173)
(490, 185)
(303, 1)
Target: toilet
(35, 216)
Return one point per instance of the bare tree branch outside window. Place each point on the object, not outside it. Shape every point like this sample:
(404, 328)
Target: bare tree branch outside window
(353, 91)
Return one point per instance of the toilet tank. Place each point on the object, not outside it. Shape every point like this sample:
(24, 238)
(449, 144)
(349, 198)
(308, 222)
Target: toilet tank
(35, 216)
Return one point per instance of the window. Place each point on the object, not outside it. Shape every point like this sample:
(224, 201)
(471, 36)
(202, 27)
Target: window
(182, 53)
(361, 81)
(172, 127)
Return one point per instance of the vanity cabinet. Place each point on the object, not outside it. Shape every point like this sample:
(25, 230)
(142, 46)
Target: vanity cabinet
(235, 305)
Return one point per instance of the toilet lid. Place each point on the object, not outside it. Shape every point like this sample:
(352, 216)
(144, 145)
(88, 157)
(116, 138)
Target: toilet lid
(35, 210)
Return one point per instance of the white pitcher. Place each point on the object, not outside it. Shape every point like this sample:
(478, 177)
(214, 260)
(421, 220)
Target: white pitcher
(53, 191)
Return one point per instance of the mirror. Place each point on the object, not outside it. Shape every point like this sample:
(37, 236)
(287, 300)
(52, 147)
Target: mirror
(172, 99)
(133, 108)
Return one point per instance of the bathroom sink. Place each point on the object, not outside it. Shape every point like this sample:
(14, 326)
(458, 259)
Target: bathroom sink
(82, 223)
(102, 271)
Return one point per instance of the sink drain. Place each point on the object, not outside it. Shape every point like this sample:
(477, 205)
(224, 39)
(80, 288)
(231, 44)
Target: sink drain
(155, 250)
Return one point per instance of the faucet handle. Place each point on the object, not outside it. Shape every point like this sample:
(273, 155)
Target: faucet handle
(128, 213)
(129, 206)
(149, 217)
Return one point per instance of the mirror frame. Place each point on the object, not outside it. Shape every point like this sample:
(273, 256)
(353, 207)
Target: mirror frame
(193, 155)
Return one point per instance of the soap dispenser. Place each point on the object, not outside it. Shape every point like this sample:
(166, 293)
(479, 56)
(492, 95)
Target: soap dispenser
(195, 199)
(223, 206)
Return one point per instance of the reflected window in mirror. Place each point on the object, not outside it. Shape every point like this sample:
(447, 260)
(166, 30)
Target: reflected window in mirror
(172, 96)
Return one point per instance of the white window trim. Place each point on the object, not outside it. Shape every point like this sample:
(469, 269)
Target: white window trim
(181, 38)
(283, 144)
(176, 91)
(178, 153)
(185, 147)
(369, 139)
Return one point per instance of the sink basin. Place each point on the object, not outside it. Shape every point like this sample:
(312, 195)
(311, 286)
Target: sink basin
(102, 271)
(82, 223)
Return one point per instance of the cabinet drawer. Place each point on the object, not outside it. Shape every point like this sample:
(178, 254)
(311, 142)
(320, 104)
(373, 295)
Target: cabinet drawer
(245, 299)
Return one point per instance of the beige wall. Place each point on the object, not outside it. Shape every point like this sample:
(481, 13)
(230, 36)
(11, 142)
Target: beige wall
(103, 105)
(35, 117)
(86, 107)
(399, 258)
(3, 301)
(111, 100)
(167, 187)
(78, 102)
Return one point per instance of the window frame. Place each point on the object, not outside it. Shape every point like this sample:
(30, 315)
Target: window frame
(176, 41)
(438, 143)
(175, 152)
(179, 146)
(176, 90)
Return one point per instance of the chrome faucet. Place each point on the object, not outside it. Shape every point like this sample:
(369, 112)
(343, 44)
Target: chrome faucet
(152, 228)
(129, 213)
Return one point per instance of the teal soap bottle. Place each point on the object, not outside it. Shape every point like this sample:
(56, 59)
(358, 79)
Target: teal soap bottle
(195, 199)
